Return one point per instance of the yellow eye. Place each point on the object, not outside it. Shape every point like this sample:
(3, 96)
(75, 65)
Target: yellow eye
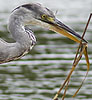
(44, 16)
(47, 18)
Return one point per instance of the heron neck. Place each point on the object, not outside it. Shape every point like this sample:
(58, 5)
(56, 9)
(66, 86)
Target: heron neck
(16, 27)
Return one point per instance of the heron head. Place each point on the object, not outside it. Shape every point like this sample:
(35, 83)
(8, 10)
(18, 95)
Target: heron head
(36, 14)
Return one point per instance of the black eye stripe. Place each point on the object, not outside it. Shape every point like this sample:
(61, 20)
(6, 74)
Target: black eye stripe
(16, 8)
(28, 6)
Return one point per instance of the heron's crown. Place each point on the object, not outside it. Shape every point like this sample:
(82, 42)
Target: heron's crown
(38, 9)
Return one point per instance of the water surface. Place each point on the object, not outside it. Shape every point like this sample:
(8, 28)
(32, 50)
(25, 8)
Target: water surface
(38, 75)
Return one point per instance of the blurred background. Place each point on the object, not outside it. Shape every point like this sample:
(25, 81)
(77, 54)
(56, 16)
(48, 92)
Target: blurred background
(38, 75)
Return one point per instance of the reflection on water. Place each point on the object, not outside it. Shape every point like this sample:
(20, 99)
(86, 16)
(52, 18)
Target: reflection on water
(38, 75)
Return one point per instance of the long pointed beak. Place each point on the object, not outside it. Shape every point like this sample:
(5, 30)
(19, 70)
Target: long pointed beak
(61, 28)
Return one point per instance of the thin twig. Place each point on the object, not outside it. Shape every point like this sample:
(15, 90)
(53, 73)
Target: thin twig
(65, 89)
(76, 60)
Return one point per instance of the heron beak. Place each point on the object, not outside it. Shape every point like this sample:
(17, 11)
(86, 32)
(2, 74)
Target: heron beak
(59, 27)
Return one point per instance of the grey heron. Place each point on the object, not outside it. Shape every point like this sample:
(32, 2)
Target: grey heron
(30, 14)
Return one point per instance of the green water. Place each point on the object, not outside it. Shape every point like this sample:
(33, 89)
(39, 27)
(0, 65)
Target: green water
(38, 75)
